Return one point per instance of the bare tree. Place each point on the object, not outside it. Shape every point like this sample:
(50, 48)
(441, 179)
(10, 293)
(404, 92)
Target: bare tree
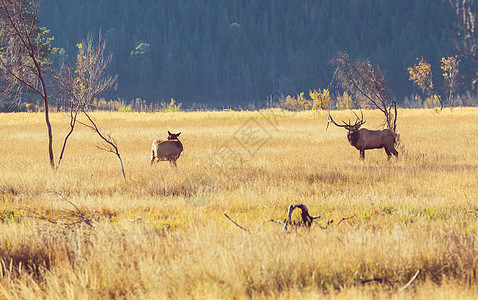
(78, 87)
(24, 50)
(367, 84)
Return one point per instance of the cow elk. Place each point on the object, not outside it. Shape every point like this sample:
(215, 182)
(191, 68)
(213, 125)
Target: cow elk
(169, 150)
(364, 139)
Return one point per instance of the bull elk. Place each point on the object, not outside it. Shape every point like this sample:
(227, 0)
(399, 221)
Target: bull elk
(169, 150)
(364, 139)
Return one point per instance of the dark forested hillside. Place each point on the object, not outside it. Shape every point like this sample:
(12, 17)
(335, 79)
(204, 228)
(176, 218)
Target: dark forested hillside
(240, 51)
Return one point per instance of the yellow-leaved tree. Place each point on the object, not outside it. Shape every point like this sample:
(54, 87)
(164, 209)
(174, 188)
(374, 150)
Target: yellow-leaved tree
(320, 99)
(450, 65)
(421, 75)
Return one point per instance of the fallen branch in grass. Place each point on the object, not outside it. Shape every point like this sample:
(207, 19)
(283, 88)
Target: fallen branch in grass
(270, 220)
(307, 220)
(379, 279)
(332, 221)
(411, 280)
(79, 214)
(243, 228)
(80, 218)
(389, 282)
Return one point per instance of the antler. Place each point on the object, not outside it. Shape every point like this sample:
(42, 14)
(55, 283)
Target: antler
(359, 122)
(330, 120)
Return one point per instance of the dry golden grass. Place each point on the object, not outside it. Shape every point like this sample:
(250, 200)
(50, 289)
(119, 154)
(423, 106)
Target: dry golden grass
(162, 232)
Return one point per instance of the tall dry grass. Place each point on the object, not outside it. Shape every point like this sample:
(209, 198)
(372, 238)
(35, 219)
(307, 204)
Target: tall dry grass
(162, 232)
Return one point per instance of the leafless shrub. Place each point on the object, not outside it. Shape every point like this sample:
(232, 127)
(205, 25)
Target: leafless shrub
(79, 87)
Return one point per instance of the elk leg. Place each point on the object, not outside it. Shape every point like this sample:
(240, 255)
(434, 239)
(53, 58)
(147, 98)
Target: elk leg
(172, 161)
(362, 154)
(389, 154)
(395, 152)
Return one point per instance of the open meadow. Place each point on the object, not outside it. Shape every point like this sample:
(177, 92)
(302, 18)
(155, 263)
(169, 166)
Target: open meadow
(83, 232)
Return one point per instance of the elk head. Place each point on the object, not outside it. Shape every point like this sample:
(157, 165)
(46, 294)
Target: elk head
(172, 136)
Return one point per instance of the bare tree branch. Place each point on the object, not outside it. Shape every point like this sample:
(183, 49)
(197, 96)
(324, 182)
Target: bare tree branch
(80, 86)
(243, 228)
(345, 219)
(378, 279)
(270, 220)
(367, 84)
(79, 214)
(411, 280)
(73, 116)
(110, 142)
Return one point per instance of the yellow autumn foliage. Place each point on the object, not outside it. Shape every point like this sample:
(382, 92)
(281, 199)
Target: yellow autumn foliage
(320, 99)
(450, 65)
(421, 74)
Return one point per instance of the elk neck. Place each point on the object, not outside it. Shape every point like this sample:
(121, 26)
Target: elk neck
(353, 136)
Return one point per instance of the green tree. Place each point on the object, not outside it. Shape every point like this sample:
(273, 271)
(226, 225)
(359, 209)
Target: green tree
(196, 56)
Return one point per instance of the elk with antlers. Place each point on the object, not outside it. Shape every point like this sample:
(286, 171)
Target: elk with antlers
(364, 139)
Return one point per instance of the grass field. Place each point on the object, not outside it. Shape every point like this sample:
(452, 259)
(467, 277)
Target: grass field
(162, 233)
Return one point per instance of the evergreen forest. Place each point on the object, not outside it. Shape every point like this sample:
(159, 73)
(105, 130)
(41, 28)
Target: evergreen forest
(236, 52)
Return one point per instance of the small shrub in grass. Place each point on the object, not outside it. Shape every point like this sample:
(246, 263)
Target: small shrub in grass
(126, 109)
(297, 103)
(172, 106)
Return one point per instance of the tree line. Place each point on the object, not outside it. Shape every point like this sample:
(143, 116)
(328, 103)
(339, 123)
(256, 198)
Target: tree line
(237, 52)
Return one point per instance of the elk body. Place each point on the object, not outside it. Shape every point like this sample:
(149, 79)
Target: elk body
(364, 139)
(169, 150)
